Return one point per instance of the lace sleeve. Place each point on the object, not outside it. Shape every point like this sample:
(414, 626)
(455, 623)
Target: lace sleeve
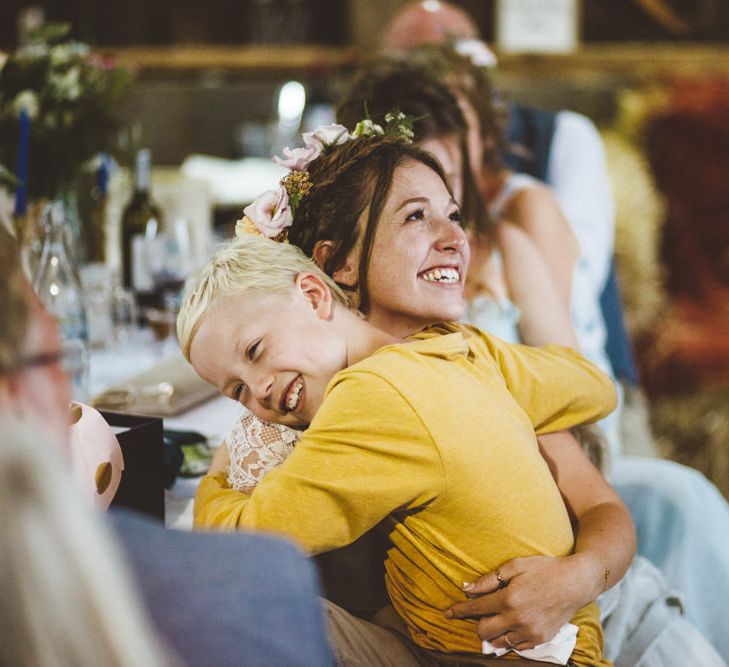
(255, 447)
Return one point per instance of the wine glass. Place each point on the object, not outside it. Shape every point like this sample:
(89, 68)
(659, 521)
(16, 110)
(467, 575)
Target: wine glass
(170, 261)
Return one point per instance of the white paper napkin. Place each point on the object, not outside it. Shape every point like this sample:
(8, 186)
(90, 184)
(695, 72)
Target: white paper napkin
(557, 650)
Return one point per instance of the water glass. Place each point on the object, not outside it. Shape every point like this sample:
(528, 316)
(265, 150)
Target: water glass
(123, 315)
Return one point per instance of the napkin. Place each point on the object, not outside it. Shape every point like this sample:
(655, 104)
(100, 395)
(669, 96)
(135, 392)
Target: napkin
(557, 650)
(169, 388)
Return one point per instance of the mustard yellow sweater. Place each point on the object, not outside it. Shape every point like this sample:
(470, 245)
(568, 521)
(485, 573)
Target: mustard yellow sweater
(438, 433)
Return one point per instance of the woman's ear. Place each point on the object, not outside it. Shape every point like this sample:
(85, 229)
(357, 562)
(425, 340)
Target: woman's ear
(317, 293)
(345, 275)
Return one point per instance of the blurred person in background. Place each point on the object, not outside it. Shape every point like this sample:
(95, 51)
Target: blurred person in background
(67, 596)
(216, 599)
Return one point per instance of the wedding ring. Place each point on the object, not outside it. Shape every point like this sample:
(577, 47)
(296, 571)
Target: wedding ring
(508, 643)
(500, 579)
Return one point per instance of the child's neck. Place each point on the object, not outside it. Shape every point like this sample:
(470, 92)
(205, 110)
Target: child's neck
(364, 339)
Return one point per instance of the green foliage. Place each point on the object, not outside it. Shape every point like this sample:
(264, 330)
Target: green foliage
(7, 178)
(72, 96)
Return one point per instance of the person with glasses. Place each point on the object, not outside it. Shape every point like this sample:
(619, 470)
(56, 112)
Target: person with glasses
(257, 605)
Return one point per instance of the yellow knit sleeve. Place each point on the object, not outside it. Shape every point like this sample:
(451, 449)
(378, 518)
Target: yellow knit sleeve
(365, 454)
(557, 387)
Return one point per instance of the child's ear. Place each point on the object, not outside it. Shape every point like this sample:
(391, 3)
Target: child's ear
(317, 292)
(346, 275)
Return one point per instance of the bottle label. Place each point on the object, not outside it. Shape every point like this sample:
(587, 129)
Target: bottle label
(141, 271)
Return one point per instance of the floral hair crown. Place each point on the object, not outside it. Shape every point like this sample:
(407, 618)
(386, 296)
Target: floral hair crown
(272, 213)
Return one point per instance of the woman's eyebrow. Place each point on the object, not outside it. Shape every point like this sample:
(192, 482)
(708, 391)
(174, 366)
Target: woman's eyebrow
(412, 200)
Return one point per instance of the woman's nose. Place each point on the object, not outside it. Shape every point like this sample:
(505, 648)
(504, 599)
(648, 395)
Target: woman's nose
(450, 236)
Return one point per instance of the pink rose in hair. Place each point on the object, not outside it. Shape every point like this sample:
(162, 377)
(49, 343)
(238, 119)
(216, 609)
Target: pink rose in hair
(326, 135)
(298, 159)
(271, 212)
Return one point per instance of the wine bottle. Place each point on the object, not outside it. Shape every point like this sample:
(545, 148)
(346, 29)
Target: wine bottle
(93, 211)
(140, 222)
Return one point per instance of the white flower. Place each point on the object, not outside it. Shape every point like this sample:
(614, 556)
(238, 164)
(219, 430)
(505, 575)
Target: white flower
(476, 51)
(66, 86)
(63, 54)
(367, 128)
(326, 135)
(32, 51)
(271, 212)
(26, 100)
(298, 159)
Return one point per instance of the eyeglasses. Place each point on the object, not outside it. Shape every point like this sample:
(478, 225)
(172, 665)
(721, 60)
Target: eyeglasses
(70, 356)
(33, 361)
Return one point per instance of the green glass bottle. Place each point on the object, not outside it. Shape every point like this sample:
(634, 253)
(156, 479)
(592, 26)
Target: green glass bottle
(141, 221)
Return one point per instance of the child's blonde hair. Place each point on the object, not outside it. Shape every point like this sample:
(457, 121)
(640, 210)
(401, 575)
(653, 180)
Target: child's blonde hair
(248, 263)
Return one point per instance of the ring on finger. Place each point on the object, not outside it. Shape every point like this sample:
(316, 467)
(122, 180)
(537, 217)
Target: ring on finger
(508, 642)
(500, 579)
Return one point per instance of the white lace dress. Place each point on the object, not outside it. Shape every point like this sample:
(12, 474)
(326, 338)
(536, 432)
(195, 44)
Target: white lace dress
(255, 447)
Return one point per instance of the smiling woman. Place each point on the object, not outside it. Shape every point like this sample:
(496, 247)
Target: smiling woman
(378, 216)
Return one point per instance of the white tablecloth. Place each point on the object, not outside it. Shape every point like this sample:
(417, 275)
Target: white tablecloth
(213, 418)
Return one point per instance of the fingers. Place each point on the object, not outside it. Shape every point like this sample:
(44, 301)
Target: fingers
(489, 582)
(506, 611)
(485, 605)
(510, 640)
(221, 460)
(525, 631)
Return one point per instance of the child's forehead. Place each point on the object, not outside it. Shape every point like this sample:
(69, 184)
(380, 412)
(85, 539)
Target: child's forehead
(254, 304)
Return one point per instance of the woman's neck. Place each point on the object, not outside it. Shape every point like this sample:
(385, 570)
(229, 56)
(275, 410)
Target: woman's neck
(492, 181)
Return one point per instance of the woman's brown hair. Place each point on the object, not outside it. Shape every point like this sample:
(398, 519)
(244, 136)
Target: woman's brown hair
(415, 87)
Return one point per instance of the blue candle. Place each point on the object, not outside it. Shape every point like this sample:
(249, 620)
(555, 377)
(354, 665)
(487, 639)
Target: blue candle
(21, 193)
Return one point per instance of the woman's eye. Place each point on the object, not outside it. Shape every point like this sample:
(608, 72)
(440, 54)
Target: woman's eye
(238, 391)
(415, 215)
(456, 217)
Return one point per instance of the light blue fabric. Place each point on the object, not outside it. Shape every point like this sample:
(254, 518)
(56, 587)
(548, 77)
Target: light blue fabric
(227, 599)
(644, 624)
(502, 316)
(682, 523)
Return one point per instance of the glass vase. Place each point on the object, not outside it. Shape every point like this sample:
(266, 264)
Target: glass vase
(58, 285)
(30, 234)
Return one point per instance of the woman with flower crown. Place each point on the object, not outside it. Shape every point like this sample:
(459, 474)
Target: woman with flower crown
(458, 122)
(405, 269)
(451, 458)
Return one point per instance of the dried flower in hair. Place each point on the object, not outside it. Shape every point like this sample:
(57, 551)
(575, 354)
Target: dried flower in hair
(297, 185)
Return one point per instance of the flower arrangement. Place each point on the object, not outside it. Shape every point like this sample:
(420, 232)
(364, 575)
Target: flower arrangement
(66, 97)
(273, 212)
